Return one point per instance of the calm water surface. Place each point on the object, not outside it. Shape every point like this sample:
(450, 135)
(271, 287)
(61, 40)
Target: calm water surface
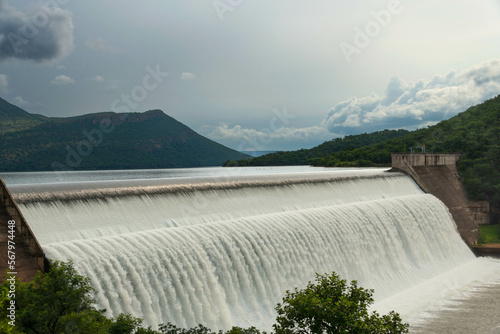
(104, 175)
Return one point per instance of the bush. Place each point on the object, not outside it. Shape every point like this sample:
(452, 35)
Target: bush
(330, 305)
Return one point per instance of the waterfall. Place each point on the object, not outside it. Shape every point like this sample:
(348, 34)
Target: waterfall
(223, 253)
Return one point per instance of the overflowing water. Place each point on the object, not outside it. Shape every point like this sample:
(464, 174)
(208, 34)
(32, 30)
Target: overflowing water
(222, 251)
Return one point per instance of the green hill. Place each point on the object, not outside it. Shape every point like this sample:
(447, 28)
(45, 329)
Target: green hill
(13, 118)
(103, 141)
(302, 157)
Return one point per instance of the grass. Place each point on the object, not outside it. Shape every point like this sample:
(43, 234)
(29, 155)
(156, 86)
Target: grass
(489, 234)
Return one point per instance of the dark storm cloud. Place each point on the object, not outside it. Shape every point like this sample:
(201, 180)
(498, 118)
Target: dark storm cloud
(42, 34)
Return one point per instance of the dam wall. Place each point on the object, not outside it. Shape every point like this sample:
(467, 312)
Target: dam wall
(20, 253)
(437, 174)
(222, 251)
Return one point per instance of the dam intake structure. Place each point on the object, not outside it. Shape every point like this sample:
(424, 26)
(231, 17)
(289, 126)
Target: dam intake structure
(223, 251)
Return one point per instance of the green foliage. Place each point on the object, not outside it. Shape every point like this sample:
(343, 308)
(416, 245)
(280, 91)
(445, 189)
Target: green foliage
(87, 321)
(62, 301)
(5, 327)
(302, 157)
(239, 330)
(489, 234)
(42, 303)
(170, 328)
(13, 118)
(330, 305)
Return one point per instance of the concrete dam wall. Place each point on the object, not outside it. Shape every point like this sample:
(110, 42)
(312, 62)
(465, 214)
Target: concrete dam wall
(434, 173)
(437, 174)
(20, 253)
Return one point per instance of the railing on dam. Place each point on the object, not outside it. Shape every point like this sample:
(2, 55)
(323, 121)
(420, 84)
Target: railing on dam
(400, 160)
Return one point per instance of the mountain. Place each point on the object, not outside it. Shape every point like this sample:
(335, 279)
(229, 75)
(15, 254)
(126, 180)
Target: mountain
(104, 140)
(13, 118)
(302, 157)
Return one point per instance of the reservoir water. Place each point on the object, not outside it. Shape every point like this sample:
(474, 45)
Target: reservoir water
(220, 246)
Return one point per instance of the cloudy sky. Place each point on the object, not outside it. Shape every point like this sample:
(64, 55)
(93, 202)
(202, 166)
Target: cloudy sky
(254, 74)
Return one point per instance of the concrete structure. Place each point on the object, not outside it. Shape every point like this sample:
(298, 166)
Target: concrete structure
(425, 159)
(25, 251)
(481, 212)
(437, 174)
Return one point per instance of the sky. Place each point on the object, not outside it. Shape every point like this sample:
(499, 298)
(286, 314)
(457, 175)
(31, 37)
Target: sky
(254, 74)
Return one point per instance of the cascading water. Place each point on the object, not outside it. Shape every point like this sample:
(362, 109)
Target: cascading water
(222, 253)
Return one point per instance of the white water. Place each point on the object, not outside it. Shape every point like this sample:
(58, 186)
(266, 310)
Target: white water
(224, 253)
(81, 211)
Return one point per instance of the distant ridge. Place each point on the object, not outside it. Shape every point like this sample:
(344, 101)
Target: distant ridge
(302, 157)
(13, 118)
(104, 140)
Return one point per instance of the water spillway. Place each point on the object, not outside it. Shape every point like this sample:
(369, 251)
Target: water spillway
(223, 251)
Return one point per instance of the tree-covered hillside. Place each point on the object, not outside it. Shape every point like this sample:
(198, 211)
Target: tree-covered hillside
(103, 141)
(13, 118)
(302, 157)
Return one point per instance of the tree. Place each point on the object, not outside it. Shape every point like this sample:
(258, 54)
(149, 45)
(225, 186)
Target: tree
(42, 303)
(5, 327)
(62, 301)
(330, 305)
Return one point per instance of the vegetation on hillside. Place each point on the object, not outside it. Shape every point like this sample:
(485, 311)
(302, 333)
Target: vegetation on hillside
(62, 301)
(302, 157)
(103, 141)
(13, 118)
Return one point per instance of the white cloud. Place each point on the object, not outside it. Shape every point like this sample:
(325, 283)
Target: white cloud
(98, 78)
(188, 76)
(411, 105)
(99, 44)
(284, 138)
(62, 80)
(20, 102)
(4, 84)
